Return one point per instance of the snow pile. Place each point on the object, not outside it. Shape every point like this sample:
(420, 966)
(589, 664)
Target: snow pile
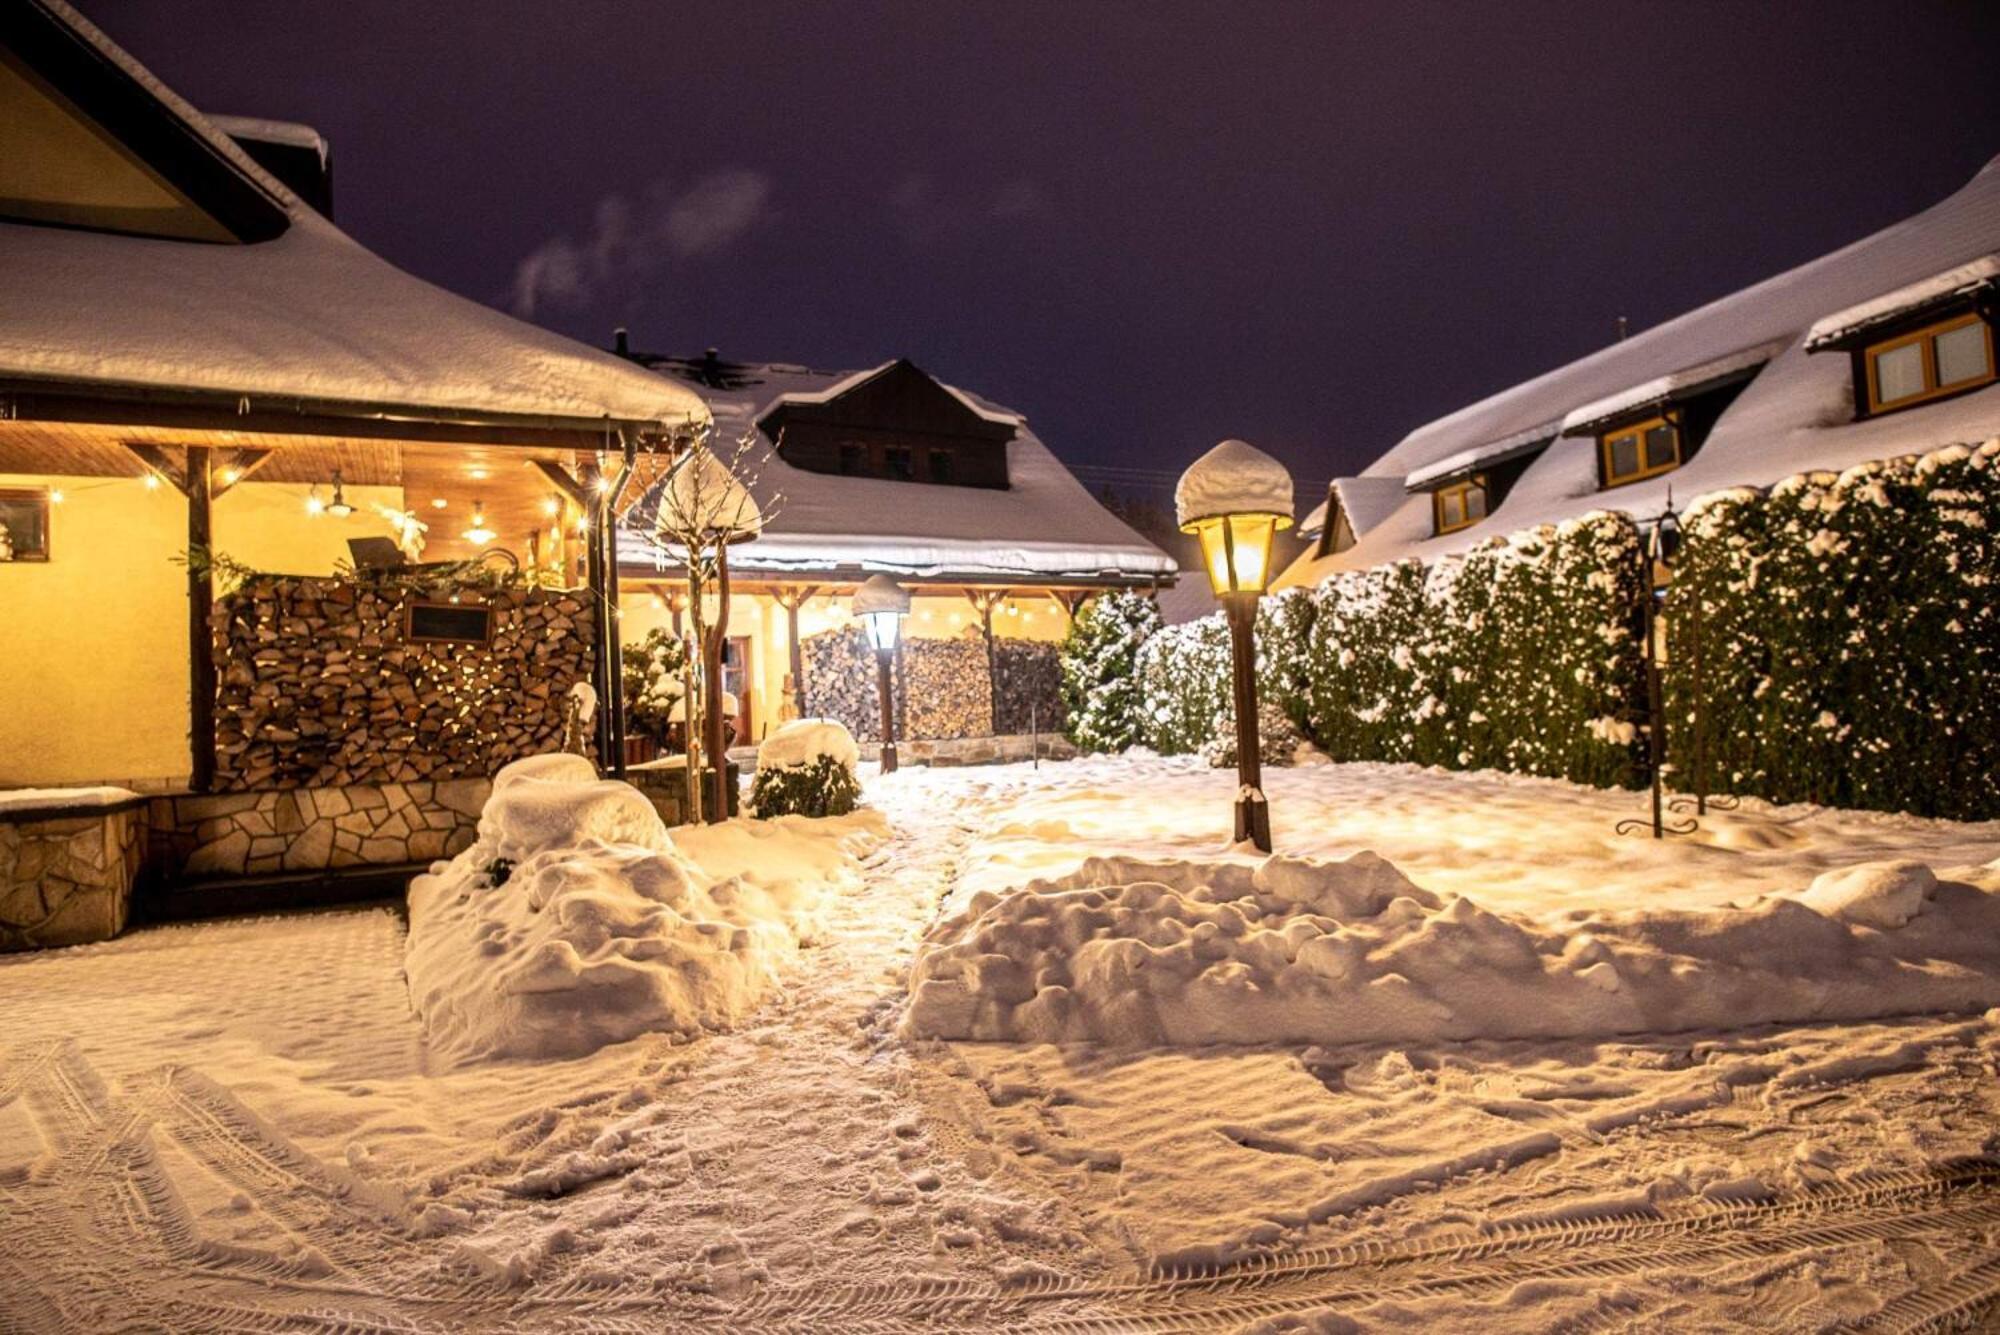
(805, 740)
(1142, 953)
(575, 921)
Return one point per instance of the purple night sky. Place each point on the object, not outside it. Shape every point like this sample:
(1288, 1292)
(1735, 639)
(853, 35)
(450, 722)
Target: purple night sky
(1312, 225)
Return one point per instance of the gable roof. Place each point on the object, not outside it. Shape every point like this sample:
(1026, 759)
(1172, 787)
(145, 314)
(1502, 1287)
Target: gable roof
(303, 315)
(1796, 414)
(1044, 526)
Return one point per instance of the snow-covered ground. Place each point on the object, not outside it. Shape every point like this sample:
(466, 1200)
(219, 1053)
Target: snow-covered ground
(240, 1124)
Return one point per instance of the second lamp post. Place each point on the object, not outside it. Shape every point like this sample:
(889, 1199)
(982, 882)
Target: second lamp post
(883, 604)
(1235, 499)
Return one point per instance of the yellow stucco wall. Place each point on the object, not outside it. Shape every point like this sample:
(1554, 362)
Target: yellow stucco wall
(93, 642)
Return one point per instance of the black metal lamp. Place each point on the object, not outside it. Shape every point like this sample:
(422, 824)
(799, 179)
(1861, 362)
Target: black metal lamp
(883, 603)
(1235, 499)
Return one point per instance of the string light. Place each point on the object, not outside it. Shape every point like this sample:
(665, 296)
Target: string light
(152, 481)
(314, 505)
(550, 505)
(56, 496)
(230, 474)
(438, 502)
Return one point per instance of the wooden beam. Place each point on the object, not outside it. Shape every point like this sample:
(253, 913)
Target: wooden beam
(158, 464)
(201, 634)
(242, 463)
(565, 483)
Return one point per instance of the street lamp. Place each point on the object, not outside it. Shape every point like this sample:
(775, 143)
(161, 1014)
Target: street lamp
(883, 604)
(1659, 549)
(1235, 499)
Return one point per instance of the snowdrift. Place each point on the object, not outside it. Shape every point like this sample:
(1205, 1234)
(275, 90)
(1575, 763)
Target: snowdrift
(574, 920)
(1143, 953)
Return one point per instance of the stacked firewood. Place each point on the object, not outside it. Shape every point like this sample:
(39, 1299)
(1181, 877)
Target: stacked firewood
(945, 689)
(1028, 687)
(942, 687)
(321, 686)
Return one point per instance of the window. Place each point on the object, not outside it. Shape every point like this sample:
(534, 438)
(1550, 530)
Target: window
(898, 463)
(1459, 504)
(853, 460)
(1948, 357)
(940, 465)
(1641, 450)
(24, 524)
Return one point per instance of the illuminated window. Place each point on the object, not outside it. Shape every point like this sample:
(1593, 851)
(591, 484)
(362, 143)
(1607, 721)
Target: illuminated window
(24, 524)
(1641, 450)
(1946, 358)
(1459, 505)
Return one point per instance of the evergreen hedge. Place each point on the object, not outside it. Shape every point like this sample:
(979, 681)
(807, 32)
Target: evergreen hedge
(822, 787)
(1837, 640)
(1100, 688)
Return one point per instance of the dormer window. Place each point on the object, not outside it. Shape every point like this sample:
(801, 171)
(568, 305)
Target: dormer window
(1640, 450)
(1934, 362)
(1459, 504)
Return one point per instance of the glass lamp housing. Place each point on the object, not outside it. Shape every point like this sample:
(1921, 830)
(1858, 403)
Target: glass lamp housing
(883, 628)
(1236, 551)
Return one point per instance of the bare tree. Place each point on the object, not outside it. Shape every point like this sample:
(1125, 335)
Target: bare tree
(706, 507)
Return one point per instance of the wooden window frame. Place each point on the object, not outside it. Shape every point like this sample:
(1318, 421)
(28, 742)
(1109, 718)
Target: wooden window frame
(1926, 337)
(1477, 482)
(1639, 429)
(46, 496)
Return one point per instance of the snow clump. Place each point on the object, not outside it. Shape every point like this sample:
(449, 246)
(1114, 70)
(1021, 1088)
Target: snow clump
(573, 921)
(1138, 953)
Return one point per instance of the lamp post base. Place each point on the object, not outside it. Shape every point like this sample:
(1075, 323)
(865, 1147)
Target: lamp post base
(1253, 821)
(889, 758)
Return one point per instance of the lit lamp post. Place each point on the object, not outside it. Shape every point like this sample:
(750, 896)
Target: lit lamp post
(883, 604)
(1235, 499)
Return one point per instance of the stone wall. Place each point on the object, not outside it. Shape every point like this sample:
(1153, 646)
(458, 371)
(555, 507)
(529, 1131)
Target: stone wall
(943, 690)
(66, 877)
(314, 829)
(321, 687)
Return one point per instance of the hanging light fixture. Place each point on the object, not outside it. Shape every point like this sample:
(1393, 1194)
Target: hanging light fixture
(479, 534)
(338, 506)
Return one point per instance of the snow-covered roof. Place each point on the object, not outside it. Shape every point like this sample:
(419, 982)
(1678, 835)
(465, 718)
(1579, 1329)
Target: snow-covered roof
(1485, 455)
(1797, 413)
(309, 314)
(1044, 525)
(1958, 280)
(1366, 501)
(1662, 388)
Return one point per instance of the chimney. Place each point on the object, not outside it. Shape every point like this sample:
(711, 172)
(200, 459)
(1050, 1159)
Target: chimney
(619, 344)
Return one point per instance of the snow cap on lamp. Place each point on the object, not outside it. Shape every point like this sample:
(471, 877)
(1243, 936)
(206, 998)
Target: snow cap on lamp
(1234, 478)
(882, 603)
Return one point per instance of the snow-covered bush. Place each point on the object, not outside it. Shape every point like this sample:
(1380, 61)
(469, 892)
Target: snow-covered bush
(1277, 737)
(1522, 654)
(1284, 652)
(806, 768)
(1183, 678)
(1100, 684)
(653, 681)
(1837, 639)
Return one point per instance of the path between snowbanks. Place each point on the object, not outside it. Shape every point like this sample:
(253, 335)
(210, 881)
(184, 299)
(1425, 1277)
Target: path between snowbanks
(1133, 952)
(576, 920)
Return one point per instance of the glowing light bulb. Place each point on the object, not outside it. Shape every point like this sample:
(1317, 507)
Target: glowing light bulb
(479, 535)
(438, 502)
(551, 505)
(56, 496)
(152, 482)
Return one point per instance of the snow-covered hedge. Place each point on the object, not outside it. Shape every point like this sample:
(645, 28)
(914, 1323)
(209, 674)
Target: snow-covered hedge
(1183, 681)
(1100, 685)
(807, 768)
(1840, 641)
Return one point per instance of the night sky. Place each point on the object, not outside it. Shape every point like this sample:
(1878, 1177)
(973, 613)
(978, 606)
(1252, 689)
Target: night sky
(1315, 226)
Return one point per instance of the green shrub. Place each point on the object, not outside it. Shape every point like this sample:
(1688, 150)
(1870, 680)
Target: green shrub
(821, 787)
(1183, 681)
(1837, 640)
(1100, 685)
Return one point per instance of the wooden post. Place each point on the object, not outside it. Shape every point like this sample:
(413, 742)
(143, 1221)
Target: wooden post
(200, 477)
(984, 601)
(1253, 813)
(593, 555)
(792, 598)
(712, 655)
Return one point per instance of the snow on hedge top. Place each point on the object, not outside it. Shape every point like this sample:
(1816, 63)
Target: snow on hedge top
(309, 314)
(1234, 478)
(1043, 523)
(1958, 278)
(1797, 413)
(802, 741)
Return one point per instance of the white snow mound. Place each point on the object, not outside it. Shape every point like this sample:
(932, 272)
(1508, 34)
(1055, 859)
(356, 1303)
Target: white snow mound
(1138, 953)
(805, 740)
(1874, 894)
(574, 920)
